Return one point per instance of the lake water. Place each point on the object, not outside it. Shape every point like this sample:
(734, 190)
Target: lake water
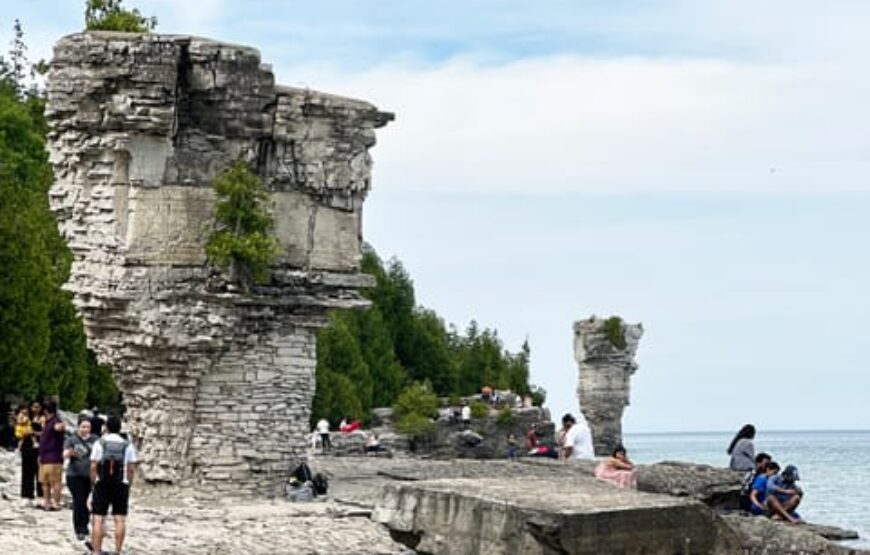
(834, 467)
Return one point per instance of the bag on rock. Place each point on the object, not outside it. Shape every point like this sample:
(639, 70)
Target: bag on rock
(320, 483)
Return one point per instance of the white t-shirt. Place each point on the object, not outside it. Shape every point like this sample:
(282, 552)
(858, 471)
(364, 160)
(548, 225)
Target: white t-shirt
(580, 440)
(323, 426)
(129, 453)
(466, 412)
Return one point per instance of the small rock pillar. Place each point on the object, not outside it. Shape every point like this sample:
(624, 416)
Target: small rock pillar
(605, 368)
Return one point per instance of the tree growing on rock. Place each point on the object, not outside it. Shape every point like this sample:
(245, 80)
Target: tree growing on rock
(109, 15)
(241, 242)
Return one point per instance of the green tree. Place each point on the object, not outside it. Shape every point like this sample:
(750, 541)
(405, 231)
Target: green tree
(43, 348)
(109, 15)
(26, 286)
(344, 383)
(241, 241)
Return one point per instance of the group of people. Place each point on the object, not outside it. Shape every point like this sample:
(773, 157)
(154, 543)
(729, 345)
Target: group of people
(100, 465)
(321, 435)
(767, 490)
(574, 441)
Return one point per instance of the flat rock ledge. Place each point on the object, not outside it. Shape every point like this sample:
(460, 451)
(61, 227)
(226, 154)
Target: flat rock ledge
(576, 515)
(407, 506)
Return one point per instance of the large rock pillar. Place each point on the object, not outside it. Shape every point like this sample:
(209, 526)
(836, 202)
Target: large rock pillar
(217, 381)
(605, 350)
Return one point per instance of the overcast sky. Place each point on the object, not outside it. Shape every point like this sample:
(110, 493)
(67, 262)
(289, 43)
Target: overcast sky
(701, 167)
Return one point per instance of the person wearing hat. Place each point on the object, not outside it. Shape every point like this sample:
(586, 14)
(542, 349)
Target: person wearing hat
(784, 495)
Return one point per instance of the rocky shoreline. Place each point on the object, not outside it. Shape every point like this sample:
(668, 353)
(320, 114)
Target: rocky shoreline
(403, 506)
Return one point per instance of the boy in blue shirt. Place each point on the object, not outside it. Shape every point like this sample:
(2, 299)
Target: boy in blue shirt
(758, 493)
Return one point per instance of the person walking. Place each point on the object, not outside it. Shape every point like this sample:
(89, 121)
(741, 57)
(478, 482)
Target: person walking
(51, 457)
(113, 467)
(77, 450)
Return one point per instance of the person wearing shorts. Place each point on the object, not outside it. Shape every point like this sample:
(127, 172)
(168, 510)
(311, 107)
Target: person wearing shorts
(114, 496)
(51, 458)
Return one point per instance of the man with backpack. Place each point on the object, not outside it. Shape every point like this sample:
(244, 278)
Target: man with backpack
(113, 466)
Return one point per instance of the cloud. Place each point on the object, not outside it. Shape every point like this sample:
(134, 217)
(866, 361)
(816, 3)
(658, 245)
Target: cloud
(615, 125)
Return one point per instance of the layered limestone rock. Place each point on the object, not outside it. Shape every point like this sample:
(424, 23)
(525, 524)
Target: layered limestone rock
(605, 350)
(217, 382)
(571, 515)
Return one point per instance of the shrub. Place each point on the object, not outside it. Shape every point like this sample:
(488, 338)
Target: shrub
(454, 400)
(506, 417)
(418, 399)
(479, 409)
(415, 425)
(109, 15)
(615, 332)
(241, 240)
(538, 395)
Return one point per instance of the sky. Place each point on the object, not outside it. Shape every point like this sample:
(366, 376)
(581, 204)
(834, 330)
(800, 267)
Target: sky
(700, 167)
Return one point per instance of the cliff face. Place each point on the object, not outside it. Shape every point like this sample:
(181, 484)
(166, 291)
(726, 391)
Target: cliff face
(218, 384)
(605, 370)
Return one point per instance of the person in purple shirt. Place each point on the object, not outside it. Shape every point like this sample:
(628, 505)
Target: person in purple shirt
(51, 457)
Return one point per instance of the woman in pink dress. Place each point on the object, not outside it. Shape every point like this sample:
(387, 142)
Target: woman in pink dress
(617, 469)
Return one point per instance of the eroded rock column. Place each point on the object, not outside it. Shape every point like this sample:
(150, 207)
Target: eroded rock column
(218, 382)
(605, 350)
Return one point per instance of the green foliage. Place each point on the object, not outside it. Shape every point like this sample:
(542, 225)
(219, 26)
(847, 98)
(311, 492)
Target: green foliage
(418, 398)
(241, 241)
(615, 332)
(479, 409)
(414, 410)
(506, 417)
(400, 342)
(454, 400)
(42, 350)
(538, 395)
(109, 15)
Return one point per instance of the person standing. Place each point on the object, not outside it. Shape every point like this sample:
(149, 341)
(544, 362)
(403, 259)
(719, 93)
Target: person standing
(51, 457)
(323, 430)
(742, 449)
(29, 454)
(113, 467)
(77, 450)
(577, 443)
(466, 416)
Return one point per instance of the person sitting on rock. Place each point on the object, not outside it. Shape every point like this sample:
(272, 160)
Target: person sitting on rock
(373, 444)
(784, 495)
(758, 493)
(617, 469)
(742, 449)
(761, 461)
(532, 437)
(577, 442)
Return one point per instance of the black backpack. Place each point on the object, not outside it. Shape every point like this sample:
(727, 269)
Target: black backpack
(321, 484)
(111, 467)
